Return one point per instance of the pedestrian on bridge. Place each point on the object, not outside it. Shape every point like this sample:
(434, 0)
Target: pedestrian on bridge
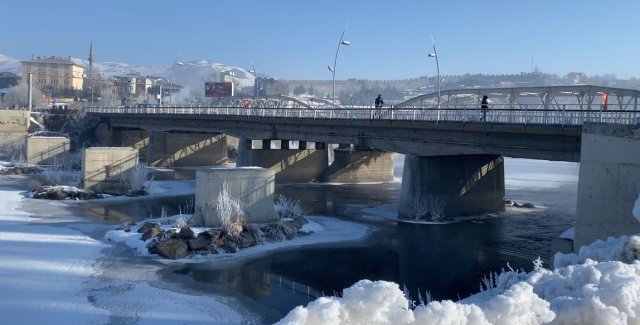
(484, 107)
(379, 103)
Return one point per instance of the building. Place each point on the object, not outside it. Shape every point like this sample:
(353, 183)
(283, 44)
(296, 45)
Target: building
(131, 86)
(52, 73)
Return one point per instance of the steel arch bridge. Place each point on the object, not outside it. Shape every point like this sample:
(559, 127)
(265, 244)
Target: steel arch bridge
(272, 101)
(577, 97)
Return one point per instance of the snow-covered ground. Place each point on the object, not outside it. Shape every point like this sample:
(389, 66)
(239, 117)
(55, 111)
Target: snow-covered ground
(49, 275)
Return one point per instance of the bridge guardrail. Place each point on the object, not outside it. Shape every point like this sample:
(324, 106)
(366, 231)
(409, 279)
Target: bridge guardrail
(568, 115)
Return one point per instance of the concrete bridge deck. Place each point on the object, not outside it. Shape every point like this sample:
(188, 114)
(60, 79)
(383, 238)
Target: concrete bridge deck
(402, 134)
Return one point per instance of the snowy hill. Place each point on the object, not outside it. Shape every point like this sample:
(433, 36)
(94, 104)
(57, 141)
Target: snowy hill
(194, 71)
(8, 64)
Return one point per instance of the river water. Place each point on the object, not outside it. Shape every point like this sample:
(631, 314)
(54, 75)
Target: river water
(449, 260)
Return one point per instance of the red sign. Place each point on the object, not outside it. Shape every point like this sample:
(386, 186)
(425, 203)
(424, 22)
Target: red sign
(218, 89)
(605, 99)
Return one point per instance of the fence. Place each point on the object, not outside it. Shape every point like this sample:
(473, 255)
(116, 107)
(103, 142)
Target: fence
(568, 115)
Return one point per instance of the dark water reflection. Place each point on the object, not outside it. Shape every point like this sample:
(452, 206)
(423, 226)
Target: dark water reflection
(448, 260)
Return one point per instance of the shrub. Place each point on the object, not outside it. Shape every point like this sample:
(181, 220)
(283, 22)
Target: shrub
(231, 212)
(133, 180)
(288, 208)
(429, 208)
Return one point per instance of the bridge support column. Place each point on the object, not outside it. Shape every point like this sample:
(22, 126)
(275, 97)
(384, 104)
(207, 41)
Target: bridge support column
(186, 149)
(609, 182)
(289, 165)
(470, 184)
(120, 137)
(360, 165)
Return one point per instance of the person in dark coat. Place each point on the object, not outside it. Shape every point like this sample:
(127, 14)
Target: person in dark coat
(379, 101)
(484, 107)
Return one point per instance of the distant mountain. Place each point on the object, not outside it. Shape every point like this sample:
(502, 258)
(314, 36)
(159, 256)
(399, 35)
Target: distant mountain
(8, 64)
(193, 71)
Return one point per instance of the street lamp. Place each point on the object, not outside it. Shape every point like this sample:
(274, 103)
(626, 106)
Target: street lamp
(435, 55)
(91, 88)
(255, 83)
(172, 70)
(335, 62)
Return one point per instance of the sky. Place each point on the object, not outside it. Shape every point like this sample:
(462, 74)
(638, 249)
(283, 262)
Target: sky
(296, 39)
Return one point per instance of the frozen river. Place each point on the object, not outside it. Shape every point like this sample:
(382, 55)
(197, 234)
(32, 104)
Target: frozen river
(448, 260)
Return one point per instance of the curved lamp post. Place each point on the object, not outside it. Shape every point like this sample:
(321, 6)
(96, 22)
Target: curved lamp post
(435, 55)
(173, 69)
(335, 62)
(255, 83)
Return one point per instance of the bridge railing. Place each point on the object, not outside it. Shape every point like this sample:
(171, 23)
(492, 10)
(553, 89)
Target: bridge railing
(568, 115)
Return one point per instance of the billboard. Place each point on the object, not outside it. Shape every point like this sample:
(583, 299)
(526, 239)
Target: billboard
(218, 89)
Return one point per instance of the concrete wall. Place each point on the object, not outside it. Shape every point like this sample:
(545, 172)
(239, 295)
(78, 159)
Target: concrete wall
(609, 182)
(103, 168)
(254, 187)
(186, 149)
(111, 137)
(47, 150)
(470, 184)
(360, 165)
(289, 165)
(13, 128)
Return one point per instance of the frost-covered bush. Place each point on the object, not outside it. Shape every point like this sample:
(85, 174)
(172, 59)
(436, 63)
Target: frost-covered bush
(231, 212)
(61, 174)
(287, 208)
(134, 179)
(426, 208)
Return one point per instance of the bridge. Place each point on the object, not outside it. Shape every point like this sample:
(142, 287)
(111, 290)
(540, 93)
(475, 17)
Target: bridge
(454, 152)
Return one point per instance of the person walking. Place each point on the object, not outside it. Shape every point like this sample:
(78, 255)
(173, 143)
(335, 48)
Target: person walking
(484, 107)
(379, 103)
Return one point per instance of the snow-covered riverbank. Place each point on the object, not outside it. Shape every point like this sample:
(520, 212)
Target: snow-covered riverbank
(49, 275)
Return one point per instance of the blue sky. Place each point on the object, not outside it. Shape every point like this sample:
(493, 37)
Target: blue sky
(297, 39)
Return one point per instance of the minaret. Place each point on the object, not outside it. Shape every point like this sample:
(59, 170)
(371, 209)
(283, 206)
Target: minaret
(91, 59)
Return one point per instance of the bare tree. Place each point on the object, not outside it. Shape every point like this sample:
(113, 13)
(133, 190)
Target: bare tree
(19, 96)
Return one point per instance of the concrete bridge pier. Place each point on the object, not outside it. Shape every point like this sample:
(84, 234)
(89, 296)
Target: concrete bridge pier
(186, 149)
(359, 164)
(304, 162)
(467, 184)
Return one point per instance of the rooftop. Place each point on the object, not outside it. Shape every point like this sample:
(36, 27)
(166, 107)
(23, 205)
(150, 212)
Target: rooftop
(51, 60)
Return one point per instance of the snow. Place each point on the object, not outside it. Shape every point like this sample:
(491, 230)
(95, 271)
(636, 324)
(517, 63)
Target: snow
(569, 234)
(50, 273)
(600, 285)
(311, 227)
(172, 188)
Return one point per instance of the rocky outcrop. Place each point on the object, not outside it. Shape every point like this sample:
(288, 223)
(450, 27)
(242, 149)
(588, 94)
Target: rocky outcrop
(172, 249)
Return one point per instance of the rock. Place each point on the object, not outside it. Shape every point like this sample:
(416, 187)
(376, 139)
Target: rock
(298, 223)
(515, 205)
(245, 240)
(150, 233)
(171, 233)
(230, 247)
(147, 226)
(126, 225)
(198, 243)
(528, 206)
(211, 233)
(63, 193)
(127, 230)
(172, 249)
(508, 202)
(196, 220)
(186, 232)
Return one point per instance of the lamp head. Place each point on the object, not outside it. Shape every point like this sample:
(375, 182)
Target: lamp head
(329, 67)
(346, 43)
(432, 55)
(179, 63)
